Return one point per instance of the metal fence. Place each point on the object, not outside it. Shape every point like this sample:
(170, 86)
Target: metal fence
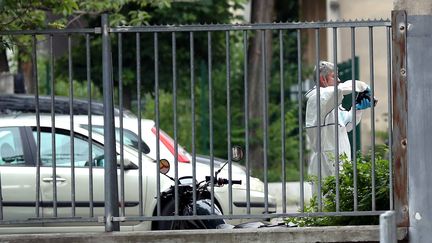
(133, 195)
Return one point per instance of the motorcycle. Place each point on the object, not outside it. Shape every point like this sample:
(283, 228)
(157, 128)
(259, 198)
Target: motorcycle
(185, 198)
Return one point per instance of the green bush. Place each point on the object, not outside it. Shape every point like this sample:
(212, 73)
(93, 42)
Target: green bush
(346, 192)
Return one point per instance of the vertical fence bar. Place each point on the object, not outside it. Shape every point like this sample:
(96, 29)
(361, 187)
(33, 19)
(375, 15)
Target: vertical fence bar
(246, 118)
(390, 116)
(372, 81)
(336, 119)
(138, 76)
(282, 104)
(265, 118)
(388, 232)
(111, 193)
(38, 136)
(318, 100)
(1, 202)
(192, 78)
(174, 74)
(90, 129)
(228, 93)
(120, 83)
(72, 135)
(336, 115)
(209, 51)
(156, 68)
(300, 117)
(53, 143)
(354, 120)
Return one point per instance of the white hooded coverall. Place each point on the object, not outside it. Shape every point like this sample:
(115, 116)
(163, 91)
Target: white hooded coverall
(327, 96)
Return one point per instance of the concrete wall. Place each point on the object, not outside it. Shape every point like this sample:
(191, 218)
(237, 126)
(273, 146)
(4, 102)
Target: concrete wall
(6, 83)
(417, 7)
(270, 235)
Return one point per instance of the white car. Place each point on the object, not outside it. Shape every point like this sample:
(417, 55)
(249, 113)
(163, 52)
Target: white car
(18, 170)
(167, 151)
(148, 142)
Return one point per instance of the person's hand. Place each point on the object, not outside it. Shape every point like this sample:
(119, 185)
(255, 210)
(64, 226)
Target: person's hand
(368, 91)
(364, 104)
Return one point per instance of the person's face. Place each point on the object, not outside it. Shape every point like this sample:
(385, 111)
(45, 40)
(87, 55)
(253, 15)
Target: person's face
(328, 80)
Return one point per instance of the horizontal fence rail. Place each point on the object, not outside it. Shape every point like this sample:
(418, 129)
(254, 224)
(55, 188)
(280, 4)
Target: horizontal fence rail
(211, 87)
(257, 26)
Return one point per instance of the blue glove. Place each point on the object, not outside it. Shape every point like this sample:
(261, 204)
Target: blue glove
(364, 104)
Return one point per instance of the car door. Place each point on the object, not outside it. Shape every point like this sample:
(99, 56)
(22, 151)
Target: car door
(63, 169)
(18, 175)
(58, 198)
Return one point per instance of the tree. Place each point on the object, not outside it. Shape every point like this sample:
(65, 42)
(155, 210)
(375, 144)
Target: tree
(262, 12)
(282, 11)
(35, 14)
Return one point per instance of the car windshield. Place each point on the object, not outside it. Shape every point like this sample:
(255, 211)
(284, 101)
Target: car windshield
(130, 139)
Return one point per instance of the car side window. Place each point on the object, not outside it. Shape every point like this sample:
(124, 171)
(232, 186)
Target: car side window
(130, 139)
(63, 150)
(11, 149)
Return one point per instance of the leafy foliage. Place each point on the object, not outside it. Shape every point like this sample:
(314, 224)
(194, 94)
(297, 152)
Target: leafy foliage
(346, 192)
(26, 14)
(52, 14)
(219, 110)
(193, 13)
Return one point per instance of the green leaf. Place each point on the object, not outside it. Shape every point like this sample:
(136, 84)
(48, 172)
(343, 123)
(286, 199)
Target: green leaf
(364, 192)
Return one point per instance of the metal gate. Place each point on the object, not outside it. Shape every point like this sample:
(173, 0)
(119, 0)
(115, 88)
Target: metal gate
(132, 189)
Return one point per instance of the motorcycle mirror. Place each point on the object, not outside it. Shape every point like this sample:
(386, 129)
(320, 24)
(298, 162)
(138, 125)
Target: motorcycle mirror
(236, 153)
(236, 156)
(164, 166)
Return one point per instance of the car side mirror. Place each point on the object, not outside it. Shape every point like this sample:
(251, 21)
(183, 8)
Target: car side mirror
(99, 161)
(128, 164)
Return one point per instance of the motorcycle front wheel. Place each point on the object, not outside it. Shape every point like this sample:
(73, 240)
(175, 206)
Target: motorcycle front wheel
(203, 208)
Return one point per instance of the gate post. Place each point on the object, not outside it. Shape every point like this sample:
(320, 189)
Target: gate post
(110, 183)
(419, 91)
(400, 117)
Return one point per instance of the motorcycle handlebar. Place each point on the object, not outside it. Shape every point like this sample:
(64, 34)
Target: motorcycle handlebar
(238, 182)
(222, 181)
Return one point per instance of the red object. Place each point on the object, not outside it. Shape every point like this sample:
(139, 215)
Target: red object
(169, 143)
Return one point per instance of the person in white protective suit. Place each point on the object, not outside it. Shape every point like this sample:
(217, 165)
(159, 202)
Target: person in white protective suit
(327, 81)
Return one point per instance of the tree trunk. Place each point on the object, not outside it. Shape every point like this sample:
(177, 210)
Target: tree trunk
(25, 68)
(27, 71)
(127, 98)
(261, 12)
(4, 65)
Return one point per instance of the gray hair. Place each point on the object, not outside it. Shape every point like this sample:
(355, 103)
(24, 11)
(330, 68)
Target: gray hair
(325, 68)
